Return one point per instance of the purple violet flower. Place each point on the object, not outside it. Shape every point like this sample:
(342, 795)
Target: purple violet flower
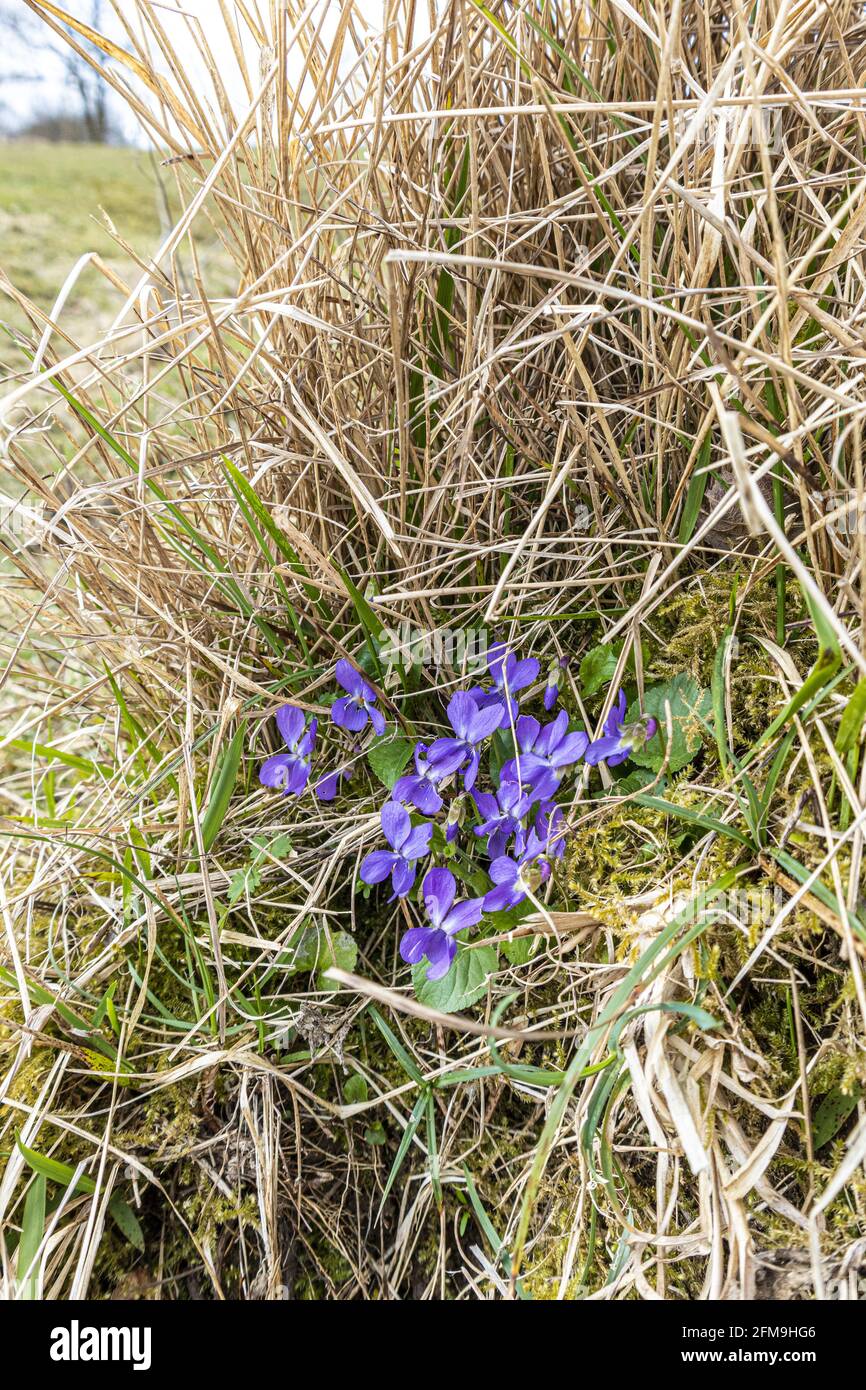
(554, 676)
(454, 820)
(436, 942)
(420, 788)
(547, 824)
(471, 726)
(544, 753)
(327, 787)
(289, 772)
(619, 739)
(407, 842)
(353, 710)
(509, 676)
(513, 878)
(502, 815)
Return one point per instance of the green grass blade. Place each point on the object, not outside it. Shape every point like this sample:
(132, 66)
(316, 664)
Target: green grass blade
(32, 1231)
(61, 1173)
(408, 1135)
(223, 786)
(396, 1047)
(699, 818)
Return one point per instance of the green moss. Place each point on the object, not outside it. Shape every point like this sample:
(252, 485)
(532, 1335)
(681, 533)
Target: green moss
(325, 1270)
(630, 850)
(166, 1123)
(30, 1078)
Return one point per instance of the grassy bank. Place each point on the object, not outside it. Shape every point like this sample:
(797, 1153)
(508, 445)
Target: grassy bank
(524, 339)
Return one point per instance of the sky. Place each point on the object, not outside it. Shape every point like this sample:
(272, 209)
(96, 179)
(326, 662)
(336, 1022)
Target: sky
(33, 81)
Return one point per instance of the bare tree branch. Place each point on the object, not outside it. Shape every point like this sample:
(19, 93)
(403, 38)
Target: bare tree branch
(24, 36)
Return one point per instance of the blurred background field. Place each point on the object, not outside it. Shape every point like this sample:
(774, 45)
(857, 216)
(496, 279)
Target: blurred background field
(56, 199)
(59, 201)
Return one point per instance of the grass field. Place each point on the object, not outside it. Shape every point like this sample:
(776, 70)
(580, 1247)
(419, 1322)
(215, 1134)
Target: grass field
(334, 962)
(60, 202)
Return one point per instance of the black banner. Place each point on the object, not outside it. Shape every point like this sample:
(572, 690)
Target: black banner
(155, 1338)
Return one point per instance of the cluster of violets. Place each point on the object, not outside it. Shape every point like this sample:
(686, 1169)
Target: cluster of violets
(519, 824)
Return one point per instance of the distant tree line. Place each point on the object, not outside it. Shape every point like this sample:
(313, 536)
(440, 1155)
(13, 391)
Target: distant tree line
(81, 110)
